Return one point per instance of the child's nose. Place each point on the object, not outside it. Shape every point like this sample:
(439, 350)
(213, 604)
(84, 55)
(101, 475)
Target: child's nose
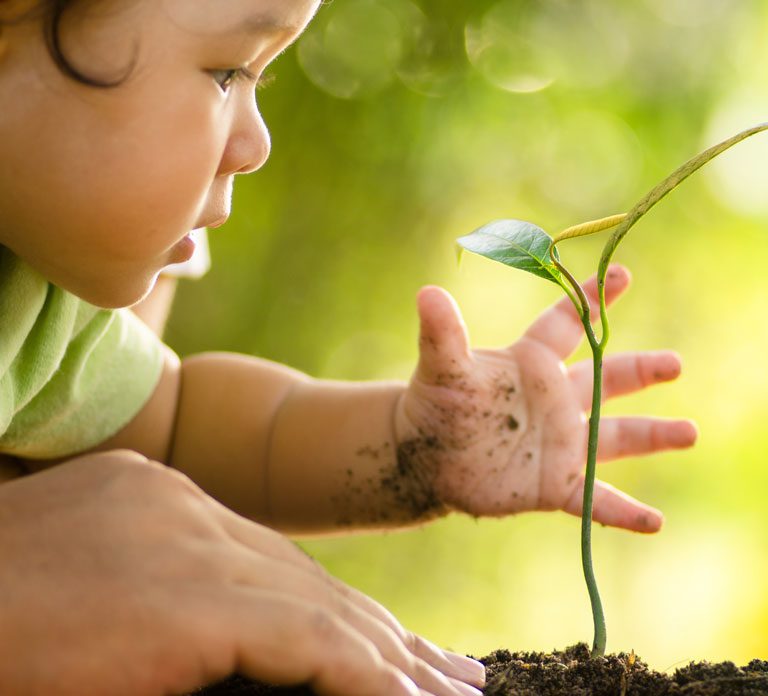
(248, 145)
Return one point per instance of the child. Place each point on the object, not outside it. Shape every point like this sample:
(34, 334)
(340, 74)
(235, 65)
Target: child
(122, 125)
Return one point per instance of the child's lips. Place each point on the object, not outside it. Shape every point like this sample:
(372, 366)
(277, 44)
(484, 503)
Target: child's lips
(183, 250)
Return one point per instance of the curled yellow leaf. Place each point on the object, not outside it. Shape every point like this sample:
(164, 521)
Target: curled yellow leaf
(590, 227)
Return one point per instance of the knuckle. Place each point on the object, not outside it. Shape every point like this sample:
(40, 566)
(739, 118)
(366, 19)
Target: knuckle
(657, 436)
(324, 627)
(179, 479)
(131, 463)
(339, 587)
(395, 682)
(133, 470)
(642, 372)
(424, 672)
(113, 469)
(425, 650)
(119, 460)
(410, 640)
(623, 437)
(164, 476)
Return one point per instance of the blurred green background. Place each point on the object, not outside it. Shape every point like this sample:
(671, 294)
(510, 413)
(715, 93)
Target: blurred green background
(399, 125)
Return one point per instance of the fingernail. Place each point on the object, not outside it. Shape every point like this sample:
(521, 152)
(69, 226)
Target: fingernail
(668, 366)
(470, 670)
(650, 521)
(683, 435)
(616, 273)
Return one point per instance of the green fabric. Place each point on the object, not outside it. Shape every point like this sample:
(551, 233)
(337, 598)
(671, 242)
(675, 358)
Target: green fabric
(71, 374)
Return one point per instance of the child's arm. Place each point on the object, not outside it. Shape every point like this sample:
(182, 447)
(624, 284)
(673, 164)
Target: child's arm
(270, 442)
(300, 454)
(487, 432)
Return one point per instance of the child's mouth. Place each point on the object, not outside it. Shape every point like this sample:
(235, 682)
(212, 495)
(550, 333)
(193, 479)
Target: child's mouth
(183, 249)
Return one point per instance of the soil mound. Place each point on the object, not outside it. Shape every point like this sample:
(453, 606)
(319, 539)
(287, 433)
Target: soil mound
(571, 672)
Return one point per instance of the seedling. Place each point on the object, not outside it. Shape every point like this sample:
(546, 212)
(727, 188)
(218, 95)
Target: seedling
(526, 246)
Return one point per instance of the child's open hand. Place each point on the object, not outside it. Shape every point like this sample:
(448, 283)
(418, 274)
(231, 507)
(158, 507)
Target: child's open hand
(122, 577)
(503, 431)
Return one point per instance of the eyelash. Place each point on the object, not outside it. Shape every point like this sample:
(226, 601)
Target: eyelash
(241, 74)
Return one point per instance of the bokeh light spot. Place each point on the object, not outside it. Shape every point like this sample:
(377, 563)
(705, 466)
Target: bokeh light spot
(689, 13)
(739, 177)
(503, 54)
(353, 49)
(590, 163)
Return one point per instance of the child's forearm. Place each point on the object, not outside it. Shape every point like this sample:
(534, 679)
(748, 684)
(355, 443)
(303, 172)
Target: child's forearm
(302, 455)
(334, 462)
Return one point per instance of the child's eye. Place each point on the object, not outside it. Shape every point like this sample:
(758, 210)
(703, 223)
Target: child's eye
(227, 77)
(224, 78)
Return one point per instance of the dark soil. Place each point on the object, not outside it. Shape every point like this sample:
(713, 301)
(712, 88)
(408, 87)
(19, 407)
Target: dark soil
(571, 672)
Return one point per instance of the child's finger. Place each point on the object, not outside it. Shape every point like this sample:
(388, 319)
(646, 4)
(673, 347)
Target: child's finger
(443, 341)
(625, 373)
(288, 641)
(615, 508)
(634, 436)
(560, 328)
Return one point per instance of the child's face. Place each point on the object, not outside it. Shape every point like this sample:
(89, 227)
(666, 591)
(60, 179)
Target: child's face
(99, 187)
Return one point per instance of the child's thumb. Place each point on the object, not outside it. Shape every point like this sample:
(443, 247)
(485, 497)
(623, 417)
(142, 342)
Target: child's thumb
(443, 338)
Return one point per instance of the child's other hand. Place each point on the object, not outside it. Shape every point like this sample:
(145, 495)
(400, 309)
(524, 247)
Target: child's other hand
(122, 577)
(503, 431)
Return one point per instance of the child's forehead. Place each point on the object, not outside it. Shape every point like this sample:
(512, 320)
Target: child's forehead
(240, 16)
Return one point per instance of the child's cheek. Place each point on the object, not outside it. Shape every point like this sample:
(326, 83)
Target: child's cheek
(163, 167)
(180, 164)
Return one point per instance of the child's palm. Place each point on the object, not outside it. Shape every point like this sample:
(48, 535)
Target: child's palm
(508, 427)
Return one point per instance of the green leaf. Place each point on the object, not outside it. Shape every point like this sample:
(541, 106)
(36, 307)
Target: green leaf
(515, 243)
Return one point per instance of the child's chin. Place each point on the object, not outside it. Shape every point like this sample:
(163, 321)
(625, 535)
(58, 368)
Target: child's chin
(118, 296)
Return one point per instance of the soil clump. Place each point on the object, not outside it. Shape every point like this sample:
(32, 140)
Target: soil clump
(571, 672)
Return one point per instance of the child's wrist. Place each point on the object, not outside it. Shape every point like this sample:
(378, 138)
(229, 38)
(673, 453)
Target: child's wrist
(417, 460)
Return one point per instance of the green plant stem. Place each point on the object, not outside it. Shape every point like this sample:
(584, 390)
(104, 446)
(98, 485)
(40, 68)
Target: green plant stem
(664, 187)
(598, 617)
(625, 222)
(598, 348)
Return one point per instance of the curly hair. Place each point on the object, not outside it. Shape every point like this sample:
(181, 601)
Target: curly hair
(51, 12)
